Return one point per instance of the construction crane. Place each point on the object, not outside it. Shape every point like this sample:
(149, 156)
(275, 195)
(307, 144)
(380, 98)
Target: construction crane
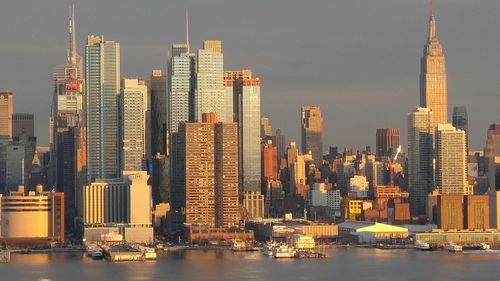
(391, 163)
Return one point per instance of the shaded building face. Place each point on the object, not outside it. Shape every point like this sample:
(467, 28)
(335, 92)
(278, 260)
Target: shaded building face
(387, 139)
(312, 132)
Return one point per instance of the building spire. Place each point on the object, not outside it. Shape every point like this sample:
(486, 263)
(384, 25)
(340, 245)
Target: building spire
(72, 36)
(432, 22)
(187, 29)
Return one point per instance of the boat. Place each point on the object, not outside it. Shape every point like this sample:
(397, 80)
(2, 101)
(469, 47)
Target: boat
(238, 245)
(420, 245)
(484, 246)
(97, 254)
(453, 248)
(267, 250)
(149, 253)
(283, 251)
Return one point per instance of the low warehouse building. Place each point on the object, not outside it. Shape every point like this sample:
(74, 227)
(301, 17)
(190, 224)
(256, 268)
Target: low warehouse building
(370, 232)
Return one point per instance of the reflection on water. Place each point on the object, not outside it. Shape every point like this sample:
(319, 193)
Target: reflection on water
(342, 264)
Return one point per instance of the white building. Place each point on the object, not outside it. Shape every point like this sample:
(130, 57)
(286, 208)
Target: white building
(359, 185)
(451, 166)
(120, 205)
(133, 108)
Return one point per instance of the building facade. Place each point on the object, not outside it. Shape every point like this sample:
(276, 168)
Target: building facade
(102, 87)
(133, 108)
(6, 110)
(246, 101)
(180, 86)
(433, 85)
(386, 140)
(420, 158)
(210, 92)
(23, 124)
(312, 132)
(451, 174)
(460, 121)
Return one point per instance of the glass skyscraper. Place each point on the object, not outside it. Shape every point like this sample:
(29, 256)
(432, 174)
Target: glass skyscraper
(420, 158)
(179, 86)
(246, 100)
(102, 83)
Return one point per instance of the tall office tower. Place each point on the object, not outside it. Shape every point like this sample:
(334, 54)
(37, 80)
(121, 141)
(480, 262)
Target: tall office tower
(387, 140)
(226, 175)
(451, 175)
(312, 132)
(269, 162)
(246, 100)
(23, 124)
(160, 149)
(492, 154)
(6, 108)
(229, 96)
(210, 92)
(209, 172)
(67, 128)
(133, 108)
(265, 128)
(102, 83)
(158, 112)
(433, 89)
(461, 121)
(14, 167)
(180, 71)
(279, 140)
(420, 158)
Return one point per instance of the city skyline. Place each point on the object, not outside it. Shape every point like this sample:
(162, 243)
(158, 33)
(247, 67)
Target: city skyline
(397, 82)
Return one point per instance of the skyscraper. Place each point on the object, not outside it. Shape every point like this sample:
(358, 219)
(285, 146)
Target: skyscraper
(67, 131)
(312, 132)
(160, 148)
(246, 100)
(420, 158)
(460, 121)
(210, 93)
(451, 175)
(386, 139)
(209, 162)
(180, 71)
(265, 128)
(279, 141)
(433, 87)
(158, 112)
(102, 82)
(6, 107)
(23, 124)
(133, 107)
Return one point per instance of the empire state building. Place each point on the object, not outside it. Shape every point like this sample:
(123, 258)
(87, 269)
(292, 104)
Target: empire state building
(433, 90)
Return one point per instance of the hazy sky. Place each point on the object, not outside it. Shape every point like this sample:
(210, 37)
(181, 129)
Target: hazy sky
(358, 59)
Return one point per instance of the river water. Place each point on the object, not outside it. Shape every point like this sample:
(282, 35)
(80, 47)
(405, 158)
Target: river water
(342, 264)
